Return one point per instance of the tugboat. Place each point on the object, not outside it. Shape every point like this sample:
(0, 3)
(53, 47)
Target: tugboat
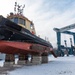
(16, 29)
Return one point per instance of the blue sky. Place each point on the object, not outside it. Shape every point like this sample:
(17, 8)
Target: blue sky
(46, 15)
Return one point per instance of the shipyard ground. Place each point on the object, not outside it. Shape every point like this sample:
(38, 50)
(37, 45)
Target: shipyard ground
(56, 66)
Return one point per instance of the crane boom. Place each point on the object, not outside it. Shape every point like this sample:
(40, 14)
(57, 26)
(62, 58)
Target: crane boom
(72, 26)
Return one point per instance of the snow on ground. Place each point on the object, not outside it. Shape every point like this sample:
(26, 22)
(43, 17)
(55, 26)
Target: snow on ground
(56, 66)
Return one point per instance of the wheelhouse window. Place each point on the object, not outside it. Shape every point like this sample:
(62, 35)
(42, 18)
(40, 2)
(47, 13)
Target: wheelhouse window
(21, 21)
(14, 20)
(31, 25)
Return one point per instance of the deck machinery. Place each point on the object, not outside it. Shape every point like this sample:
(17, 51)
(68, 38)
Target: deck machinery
(70, 50)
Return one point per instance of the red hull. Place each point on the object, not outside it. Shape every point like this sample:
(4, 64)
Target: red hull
(16, 47)
(10, 47)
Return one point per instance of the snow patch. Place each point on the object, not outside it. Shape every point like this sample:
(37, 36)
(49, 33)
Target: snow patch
(56, 66)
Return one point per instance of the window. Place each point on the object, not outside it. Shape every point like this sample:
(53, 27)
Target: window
(12, 19)
(21, 21)
(16, 20)
(31, 26)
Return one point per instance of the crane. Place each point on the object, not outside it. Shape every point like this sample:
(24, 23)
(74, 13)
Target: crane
(65, 31)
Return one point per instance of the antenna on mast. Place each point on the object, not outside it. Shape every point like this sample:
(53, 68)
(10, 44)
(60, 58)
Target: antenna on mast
(22, 9)
(18, 8)
(15, 7)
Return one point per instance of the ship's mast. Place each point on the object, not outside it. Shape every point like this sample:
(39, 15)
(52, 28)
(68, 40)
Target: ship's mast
(18, 9)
